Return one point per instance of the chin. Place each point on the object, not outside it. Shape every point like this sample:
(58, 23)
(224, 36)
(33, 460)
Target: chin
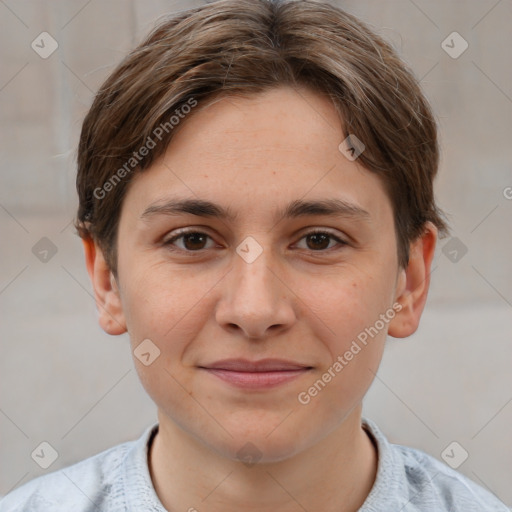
(263, 443)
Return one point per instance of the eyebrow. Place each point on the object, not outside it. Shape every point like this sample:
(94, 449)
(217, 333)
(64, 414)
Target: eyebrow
(298, 208)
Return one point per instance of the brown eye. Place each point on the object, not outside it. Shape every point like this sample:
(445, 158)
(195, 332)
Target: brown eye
(318, 241)
(192, 240)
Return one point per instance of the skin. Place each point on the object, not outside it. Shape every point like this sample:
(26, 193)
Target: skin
(302, 299)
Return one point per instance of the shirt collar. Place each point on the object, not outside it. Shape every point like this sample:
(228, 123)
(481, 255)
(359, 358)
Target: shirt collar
(390, 487)
(137, 484)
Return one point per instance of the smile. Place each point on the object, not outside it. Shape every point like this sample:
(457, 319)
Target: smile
(261, 374)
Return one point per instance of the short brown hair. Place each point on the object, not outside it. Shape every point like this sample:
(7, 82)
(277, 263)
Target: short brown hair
(244, 47)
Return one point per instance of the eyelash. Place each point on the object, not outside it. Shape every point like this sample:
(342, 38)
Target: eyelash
(180, 234)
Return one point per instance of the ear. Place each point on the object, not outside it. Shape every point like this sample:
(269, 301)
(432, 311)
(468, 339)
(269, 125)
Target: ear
(413, 283)
(106, 292)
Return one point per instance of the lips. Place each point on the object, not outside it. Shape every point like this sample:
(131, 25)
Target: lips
(263, 365)
(256, 375)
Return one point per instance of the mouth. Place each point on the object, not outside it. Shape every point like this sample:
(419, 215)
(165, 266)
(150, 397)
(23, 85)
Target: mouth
(262, 374)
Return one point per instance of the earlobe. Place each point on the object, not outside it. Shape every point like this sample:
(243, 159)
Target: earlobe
(413, 284)
(106, 292)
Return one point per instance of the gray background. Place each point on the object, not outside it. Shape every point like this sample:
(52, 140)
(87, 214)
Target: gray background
(64, 381)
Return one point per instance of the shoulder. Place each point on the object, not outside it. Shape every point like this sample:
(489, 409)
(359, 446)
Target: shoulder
(432, 483)
(85, 486)
(411, 480)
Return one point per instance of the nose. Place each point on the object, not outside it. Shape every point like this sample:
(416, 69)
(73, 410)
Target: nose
(255, 300)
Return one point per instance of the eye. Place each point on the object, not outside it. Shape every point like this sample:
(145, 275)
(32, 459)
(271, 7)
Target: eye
(193, 240)
(321, 239)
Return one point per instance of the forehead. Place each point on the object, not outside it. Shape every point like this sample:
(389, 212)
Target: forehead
(260, 152)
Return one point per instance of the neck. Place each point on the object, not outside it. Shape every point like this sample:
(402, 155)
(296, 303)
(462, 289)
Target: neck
(334, 475)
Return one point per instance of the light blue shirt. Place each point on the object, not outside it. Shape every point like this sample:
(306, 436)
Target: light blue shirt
(118, 480)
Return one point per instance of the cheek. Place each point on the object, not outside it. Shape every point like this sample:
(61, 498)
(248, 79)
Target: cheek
(347, 306)
(354, 348)
(350, 326)
(169, 307)
(159, 308)
(157, 299)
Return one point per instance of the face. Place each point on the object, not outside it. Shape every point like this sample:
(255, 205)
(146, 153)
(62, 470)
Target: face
(265, 281)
